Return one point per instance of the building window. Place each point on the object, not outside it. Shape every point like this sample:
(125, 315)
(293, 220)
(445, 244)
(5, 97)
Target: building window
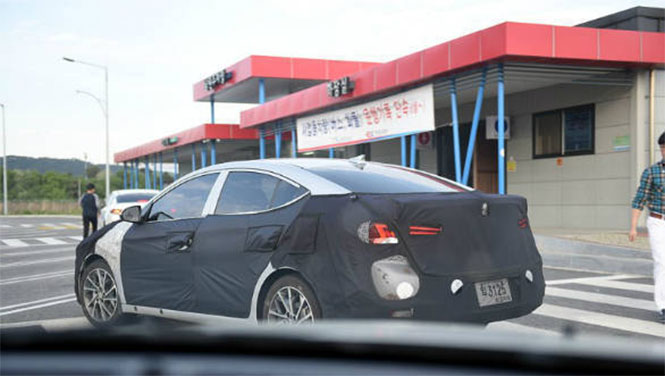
(568, 131)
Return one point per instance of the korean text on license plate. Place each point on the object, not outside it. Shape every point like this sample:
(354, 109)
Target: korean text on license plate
(493, 292)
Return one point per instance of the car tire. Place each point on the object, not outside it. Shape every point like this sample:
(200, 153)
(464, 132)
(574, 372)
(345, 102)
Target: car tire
(100, 300)
(290, 300)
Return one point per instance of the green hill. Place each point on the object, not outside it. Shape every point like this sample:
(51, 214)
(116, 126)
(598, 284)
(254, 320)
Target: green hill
(72, 166)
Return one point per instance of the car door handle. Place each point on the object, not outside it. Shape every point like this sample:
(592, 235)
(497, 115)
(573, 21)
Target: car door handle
(186, 244)
(179, 242)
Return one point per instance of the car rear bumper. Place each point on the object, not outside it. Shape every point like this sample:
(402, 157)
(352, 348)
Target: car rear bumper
(436, 302)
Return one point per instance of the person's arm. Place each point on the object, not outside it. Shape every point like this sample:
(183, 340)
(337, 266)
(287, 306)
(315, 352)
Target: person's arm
(639, 202)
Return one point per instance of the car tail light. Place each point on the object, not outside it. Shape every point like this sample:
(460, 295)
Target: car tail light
(425, 230)
(522, 223)
(376, 233)
(116, 211)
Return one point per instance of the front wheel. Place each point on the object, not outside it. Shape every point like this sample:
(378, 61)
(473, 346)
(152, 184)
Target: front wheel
(101, 302)
(290, 301)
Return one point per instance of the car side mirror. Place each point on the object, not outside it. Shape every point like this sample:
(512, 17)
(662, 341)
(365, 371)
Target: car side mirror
(132, 214)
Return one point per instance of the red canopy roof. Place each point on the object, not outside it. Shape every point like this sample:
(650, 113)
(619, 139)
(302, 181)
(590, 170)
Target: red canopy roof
(508, 41)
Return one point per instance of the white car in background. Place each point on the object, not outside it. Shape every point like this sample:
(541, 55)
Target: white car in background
(121, 199)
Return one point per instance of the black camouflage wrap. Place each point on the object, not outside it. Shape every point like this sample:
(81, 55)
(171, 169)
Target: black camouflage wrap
(317, 237)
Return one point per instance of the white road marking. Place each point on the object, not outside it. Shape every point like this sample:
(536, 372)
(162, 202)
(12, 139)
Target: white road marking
(601, 319)
(77, 238)
(53, 324)
(30, 308)
(584, 279)
(72, 224)
(601, 298)
(27, 225)
(5, 226)
(33, 262)
(36, 302)
(621, 285)
(35, 277)
(15, 242)
(28, 253)
(51, 241)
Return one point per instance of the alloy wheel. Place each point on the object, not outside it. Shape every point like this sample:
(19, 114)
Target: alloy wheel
(100, 295)
(290, 306)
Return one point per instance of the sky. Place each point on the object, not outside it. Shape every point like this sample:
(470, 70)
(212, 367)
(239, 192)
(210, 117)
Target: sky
(156, 50)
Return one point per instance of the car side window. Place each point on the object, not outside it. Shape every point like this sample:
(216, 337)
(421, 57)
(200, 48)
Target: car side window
(245, 192)
(184, 201)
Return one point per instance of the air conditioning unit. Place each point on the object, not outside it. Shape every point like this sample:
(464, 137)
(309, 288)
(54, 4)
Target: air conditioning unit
(492, 127)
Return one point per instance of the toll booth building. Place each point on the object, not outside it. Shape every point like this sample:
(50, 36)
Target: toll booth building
(566, 116)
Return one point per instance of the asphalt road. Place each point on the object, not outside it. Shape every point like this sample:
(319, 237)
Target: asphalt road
(36, 287)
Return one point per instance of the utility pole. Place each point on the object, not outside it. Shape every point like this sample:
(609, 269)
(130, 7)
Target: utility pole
(105, 110)
(4, 162)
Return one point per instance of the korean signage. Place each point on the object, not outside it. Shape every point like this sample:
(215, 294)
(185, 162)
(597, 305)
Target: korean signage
(340, 87)
(397, 115)
(216, 79)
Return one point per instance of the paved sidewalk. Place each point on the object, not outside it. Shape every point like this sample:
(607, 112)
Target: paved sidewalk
(595, 251)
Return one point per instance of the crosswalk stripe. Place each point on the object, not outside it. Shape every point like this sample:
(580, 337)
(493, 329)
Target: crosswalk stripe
(15, 242)
(620, 285)
(5, 226)
(601, 298)
(51, 241)
(77, 238)
(602, 319)
(25, 225)
(584, 279)
(71, 224)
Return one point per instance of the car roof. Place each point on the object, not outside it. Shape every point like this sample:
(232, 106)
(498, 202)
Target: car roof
(129, 191)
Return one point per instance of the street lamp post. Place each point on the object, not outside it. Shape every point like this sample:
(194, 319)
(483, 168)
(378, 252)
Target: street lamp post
(105, 110)
(4, 162)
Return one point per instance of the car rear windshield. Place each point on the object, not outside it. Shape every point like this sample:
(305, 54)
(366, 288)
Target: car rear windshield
(135, 197)
(377, 178)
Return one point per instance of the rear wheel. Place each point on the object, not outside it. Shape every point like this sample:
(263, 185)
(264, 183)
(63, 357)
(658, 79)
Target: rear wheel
(290, 301)
(99, 292)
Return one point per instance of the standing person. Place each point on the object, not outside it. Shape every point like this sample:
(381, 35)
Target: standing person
(651, 193)
(90, 204)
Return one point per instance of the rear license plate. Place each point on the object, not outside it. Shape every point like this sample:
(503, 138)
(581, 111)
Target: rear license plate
(493, 292)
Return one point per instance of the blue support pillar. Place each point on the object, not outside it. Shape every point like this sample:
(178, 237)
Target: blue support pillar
(212, 109)
(131, 174)
(124, 175)
(203, 155)
(294, 146)
(193, 157)
(412, 161)
(262, 100)
(213, 152)
(278, 142)
(456, 147)
(147, 172)
(474, 128)
(403, 148)
(331, 153)
(136, 174)
(161, 172)
(176, 164)
(501, 132)
(154, 171)
(262, 144)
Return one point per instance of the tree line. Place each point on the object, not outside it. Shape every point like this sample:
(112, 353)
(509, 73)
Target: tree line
(51, 185)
